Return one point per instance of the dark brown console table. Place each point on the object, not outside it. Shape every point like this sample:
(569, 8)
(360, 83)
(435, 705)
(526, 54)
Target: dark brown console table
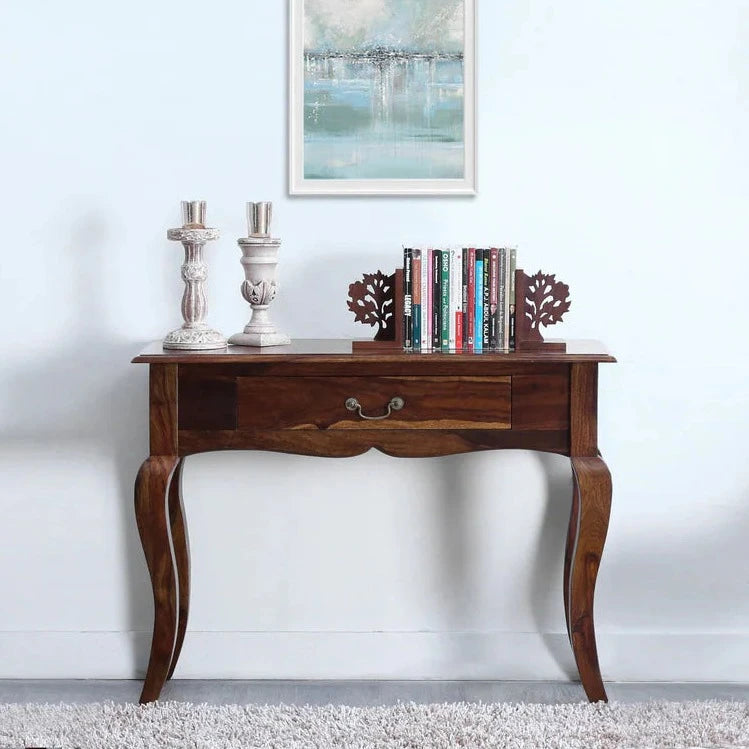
(300, 399)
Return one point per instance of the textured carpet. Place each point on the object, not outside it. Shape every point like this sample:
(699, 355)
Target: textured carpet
(406, 726)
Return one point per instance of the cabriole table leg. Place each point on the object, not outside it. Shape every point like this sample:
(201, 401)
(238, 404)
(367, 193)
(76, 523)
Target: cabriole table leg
(589, 521)
(151, 513)
(181, 543)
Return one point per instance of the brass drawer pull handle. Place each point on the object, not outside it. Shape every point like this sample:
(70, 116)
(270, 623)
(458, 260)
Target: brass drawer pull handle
(395, 405)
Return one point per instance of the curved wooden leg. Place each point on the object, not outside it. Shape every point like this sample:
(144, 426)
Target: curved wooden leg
(593, 494)
(571, 537)
(181, 543)
(151, 490)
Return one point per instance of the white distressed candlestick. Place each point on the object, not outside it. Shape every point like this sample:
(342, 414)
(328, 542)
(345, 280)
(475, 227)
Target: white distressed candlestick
(194, 333)
(259, 259)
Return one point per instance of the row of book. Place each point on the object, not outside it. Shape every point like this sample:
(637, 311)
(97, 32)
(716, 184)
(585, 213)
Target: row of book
(459, 299)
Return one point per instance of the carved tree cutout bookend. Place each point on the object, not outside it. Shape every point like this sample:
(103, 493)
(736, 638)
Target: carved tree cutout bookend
(378, 300)
(540, 300)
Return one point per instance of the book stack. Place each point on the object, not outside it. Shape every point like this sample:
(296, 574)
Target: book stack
(459, 299)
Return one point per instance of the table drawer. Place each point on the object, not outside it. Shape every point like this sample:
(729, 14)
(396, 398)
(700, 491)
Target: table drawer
(313, 403)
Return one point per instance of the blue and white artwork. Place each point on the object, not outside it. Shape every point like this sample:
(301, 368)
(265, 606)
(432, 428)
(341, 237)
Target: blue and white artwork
(384, 90)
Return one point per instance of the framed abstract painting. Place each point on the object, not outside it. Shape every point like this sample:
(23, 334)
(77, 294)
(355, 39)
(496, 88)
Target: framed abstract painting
(382, 97)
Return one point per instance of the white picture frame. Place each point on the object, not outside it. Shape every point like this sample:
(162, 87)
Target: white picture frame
(300, 185)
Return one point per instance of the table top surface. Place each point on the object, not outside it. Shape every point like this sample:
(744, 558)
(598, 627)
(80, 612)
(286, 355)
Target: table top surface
(339, 350)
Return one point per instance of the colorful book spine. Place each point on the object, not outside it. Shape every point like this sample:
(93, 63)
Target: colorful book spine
(506, 299)
(513, 268)
(464, 300)
(445, 301)
(478, 338)
(485, 305)
(471, 298)
(456, 299)
(428, 327)
(416, 272)
(457, 284)
(451, 344)
(424, 344)
(459, 299)
(493, 298)
(407, 299)
(436, 300)
(501, 299)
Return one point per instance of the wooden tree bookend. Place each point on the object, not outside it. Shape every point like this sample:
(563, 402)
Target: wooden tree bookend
(539, 300)
(378, 300)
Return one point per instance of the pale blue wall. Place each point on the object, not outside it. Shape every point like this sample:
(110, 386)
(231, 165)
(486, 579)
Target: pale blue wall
(612, 150)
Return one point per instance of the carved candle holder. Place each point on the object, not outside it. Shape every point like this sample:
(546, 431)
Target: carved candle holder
(260, 260)
(194, 333)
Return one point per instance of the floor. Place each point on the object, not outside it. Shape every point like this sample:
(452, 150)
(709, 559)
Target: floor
(357, 693)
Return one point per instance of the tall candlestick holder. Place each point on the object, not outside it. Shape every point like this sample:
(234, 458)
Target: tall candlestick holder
(260, 260)
(194, 333)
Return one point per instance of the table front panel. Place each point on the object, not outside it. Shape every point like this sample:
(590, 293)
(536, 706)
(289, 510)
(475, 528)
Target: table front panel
(223, 407)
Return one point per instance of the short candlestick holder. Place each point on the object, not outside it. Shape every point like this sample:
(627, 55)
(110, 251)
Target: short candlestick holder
(194, 335)
(259, 260)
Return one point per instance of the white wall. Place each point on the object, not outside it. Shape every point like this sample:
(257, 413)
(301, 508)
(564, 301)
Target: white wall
(613, 150)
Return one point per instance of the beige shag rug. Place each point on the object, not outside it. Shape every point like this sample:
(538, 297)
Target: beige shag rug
(405, 726)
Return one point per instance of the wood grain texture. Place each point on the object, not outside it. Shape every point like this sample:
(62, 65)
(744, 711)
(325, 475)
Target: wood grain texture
(392, 338)
(568, 552)
(181, 546)
(593, 492)
(163, 409)
(369, 366)
(399, 443)
(151, 491)
(339, 351)
(584, 409)
(206, 400)
(314, 403)
(292, 401)
(541, 401)
(531, 308)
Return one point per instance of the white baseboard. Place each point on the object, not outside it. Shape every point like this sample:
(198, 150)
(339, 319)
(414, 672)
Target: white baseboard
(722, 657)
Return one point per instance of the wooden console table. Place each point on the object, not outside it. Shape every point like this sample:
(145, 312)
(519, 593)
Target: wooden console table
(319, 398)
